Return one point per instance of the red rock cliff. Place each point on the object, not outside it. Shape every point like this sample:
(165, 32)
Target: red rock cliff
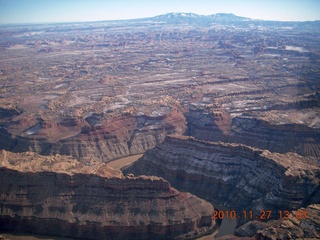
(97, 137)
(235, 175)
(57, 195)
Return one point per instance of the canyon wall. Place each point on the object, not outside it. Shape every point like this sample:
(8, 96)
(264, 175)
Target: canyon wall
(234, 175)
(59, 196)
(104, 139)
(110, 137)
(254, 131)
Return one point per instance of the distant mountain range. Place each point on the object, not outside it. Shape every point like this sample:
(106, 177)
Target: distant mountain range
(195, 18)
(222, 18)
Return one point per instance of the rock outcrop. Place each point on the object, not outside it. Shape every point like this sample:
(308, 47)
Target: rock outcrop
(257, 130)
(59, 196)
(294, 227)
(95, 136)
(234, 175)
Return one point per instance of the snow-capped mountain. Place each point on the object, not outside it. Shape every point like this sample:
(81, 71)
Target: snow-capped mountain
(190, 18)
(228, 17)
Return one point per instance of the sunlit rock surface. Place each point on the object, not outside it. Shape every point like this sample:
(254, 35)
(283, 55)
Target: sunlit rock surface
(98, 137)
(59, 196)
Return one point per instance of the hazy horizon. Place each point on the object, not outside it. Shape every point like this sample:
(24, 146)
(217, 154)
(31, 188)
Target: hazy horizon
(43, 11)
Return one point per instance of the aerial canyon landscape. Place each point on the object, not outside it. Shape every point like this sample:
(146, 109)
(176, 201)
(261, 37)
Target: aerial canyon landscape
(178, 126)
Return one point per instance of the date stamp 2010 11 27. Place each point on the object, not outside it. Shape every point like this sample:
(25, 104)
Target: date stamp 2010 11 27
(264, 214)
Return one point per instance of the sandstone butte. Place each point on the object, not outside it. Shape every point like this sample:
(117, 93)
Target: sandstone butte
(60, 196)
(241, 178)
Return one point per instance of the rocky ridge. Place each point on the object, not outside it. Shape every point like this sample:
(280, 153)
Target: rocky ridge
(57, 195)
(283, 129)
(234, 175)
(95, 136)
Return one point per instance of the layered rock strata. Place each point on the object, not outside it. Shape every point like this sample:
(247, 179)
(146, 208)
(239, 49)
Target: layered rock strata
(260, 130)
(94, 136)
(234, 175)
(59, 196)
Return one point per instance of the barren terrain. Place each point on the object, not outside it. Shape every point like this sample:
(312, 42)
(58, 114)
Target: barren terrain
(97, 92)
(61, 82)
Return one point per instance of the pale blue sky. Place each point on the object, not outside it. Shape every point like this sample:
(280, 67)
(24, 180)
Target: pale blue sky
(32, 11)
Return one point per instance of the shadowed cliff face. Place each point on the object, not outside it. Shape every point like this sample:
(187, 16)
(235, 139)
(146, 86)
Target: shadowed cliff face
(235, 175)
(260, 130)
(57, 195)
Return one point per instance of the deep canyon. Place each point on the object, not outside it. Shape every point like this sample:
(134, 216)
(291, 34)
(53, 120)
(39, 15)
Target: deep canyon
(225, 110)
(60, 195)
